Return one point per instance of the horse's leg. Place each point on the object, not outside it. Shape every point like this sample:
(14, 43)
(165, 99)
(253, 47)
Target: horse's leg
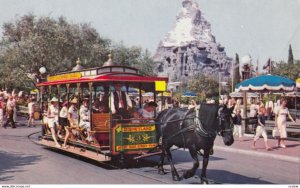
(175, 175)
(204, 166)
(161, 170)
(189, 173)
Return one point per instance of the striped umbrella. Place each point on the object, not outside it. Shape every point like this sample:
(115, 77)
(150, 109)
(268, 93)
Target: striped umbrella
(266, 83)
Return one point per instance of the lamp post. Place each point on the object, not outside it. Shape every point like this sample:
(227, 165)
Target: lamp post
(42, 71)
(219, 83)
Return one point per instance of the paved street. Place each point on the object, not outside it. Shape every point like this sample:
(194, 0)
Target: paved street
(22, 161)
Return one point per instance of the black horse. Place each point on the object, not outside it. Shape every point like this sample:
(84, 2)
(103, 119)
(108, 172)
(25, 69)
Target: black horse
(195, 130)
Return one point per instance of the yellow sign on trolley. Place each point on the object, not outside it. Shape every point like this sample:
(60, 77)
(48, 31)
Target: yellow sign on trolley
(298, 82)
(69, 76)
(160, 86)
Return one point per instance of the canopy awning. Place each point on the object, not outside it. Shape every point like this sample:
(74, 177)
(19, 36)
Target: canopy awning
(240, 95)
(266, 83)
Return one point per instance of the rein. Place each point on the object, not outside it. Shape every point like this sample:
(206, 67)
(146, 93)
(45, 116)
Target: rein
(197, 126)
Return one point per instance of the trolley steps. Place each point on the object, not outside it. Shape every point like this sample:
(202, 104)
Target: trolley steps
(47, 140)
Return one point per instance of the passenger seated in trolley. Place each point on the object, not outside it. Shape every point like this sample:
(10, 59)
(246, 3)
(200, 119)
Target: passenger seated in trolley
(100, 107)
(147, 111)
(73, 113)
(136, 117)
(72, 118)
(145, 114)
(85, 122)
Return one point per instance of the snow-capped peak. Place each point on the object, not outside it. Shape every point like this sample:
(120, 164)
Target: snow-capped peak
(190, 26)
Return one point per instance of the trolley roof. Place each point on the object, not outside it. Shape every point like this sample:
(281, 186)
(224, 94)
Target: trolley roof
(106, 74)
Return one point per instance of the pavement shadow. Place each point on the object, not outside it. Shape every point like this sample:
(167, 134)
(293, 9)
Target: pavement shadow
(182, 156)
(292, 145)
(226, 177)
(213, 176)
(13, 162)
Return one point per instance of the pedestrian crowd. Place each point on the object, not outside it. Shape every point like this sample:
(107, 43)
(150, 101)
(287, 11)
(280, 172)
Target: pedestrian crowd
(261, 113)
(9, 103)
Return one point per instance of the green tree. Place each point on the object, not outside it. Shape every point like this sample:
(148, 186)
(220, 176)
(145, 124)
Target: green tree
(287, 70)
(134, 57)
(236, 71)
(291, 57)
(32, 42)
(204, 86)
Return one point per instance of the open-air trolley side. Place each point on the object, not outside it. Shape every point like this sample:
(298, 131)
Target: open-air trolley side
(112, 133)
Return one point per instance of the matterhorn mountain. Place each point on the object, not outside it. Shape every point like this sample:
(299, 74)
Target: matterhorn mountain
(190, 48)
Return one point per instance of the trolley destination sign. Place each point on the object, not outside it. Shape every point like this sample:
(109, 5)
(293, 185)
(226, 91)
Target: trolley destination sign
(68, 76)
(129, 137)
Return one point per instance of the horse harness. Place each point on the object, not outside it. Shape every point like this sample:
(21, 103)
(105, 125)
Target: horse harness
(197, 127)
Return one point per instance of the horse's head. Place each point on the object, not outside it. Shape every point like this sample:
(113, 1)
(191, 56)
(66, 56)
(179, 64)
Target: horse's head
(225, 125)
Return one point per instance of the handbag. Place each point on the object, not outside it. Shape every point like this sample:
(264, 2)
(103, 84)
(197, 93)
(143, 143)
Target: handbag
(275, 132)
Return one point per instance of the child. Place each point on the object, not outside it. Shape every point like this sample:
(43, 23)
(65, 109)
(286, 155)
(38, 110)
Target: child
(136, 117)
(261, 129)
(238, 125)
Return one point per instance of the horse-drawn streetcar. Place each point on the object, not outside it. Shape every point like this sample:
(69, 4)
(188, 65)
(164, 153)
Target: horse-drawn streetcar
(112, 129)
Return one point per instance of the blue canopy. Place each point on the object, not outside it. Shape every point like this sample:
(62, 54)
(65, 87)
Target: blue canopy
(189, 94)
(266, 83)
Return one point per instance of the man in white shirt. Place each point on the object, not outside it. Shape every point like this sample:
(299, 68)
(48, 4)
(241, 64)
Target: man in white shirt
(84, 114)
(10, 106)
(120, 102)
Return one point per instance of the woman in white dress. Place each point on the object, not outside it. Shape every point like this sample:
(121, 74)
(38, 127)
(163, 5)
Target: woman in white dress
(281, 113)
(30, 112)
(52, 118)
(253, 109)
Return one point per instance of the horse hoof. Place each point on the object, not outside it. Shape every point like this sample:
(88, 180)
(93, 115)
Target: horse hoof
(176, 178)
(161, 172)
(204, 181)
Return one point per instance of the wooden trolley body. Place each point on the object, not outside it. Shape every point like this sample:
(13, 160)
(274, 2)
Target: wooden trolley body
(111, 136)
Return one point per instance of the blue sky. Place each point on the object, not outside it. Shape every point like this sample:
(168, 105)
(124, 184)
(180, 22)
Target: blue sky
(261, 28)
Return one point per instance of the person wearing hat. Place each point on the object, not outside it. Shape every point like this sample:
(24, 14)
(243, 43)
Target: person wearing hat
(63, 120)
(147, 111)
(84, 114)
(120, 102)
(52, 116)
(72, 116)
(73, 113)
(100, 104)
(10, 106)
